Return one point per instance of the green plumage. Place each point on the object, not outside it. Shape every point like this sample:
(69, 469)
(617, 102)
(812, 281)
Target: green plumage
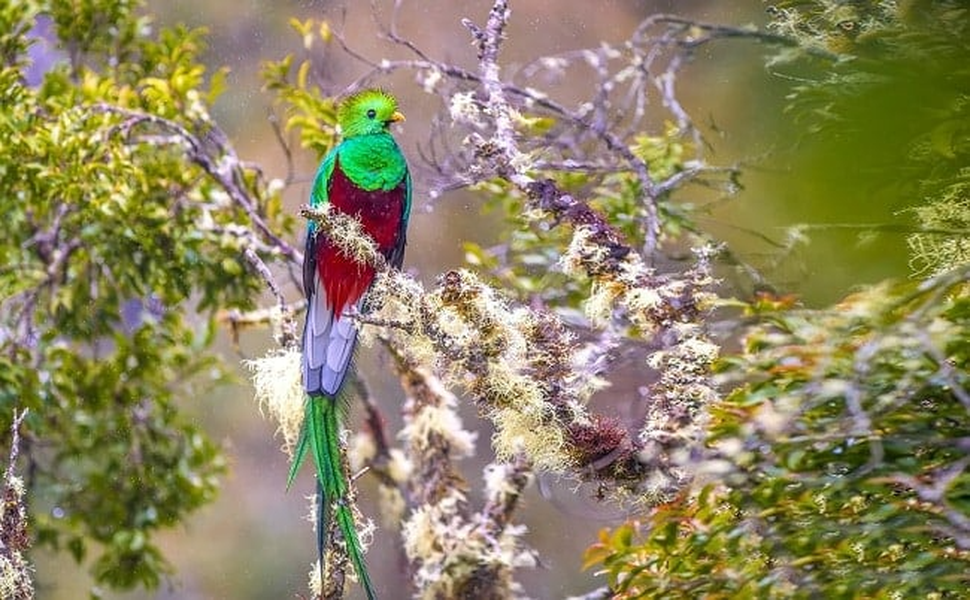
(372, 162)
(320, 435)
(365, 176)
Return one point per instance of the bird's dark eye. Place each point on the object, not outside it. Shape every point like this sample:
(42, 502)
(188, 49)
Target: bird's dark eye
(371, 113)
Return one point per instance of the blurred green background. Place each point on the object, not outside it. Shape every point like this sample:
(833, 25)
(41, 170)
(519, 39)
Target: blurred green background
(254, 542)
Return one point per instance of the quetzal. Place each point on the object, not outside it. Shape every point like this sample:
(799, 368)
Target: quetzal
(364, 176)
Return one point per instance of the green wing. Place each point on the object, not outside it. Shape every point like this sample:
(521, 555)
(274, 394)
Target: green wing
(318, 193)
(396, 257)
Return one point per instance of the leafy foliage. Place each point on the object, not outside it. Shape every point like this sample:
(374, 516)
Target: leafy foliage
(308, 110)
(837, 465)
(860, 407)
(837, 470)
(112, 230)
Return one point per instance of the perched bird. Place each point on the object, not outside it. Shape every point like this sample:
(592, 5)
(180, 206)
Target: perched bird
(364, 176)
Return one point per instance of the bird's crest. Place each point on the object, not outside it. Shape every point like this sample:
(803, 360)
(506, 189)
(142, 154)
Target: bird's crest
(367, 111)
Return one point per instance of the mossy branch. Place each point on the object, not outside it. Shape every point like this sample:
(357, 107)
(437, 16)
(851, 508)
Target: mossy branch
(16, 582)
(535, 404)
(347, 233)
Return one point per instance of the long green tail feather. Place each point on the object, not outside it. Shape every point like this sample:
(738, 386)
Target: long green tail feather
(320, 435)
(299, 453)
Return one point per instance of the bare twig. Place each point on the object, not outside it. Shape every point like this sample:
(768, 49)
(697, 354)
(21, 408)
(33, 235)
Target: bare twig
(288, 330)
(692, 34)
(274, 123)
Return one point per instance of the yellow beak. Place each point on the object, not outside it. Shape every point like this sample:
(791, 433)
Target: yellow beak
(397, 117)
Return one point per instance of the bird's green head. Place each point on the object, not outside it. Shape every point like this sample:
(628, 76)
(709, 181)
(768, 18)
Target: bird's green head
(367, 112)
